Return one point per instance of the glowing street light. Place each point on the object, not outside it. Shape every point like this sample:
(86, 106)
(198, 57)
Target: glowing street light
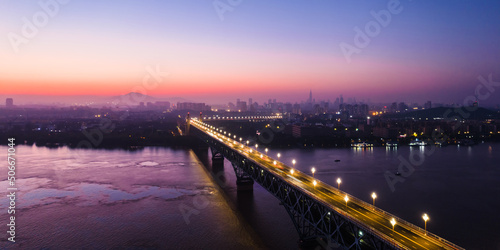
(346, 200)
(313, 170)
(393, 222)
(241, 139)
(256, 146)
(292, 171)
(374, 196)
(426, 218)
(266, 150)
(314, 183)
(274, 162)
(338, 183)
(279, 155)
(293, 162)
(248, 142)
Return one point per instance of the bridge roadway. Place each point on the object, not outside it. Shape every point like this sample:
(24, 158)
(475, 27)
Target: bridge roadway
(404, 235)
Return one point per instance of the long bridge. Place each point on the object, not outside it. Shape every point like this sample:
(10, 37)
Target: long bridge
(318, 210)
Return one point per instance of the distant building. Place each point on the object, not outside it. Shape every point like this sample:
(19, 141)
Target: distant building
(241, 106)
(9, 102)
(428, 105)
(193, 106)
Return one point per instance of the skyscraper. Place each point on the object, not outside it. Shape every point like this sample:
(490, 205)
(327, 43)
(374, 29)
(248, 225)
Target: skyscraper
(310, 96)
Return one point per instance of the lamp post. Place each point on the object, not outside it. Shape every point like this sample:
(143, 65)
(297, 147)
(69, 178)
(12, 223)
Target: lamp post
(426, 218)
(266, 150)
(313, 170)
(314, 184)
(374, 196)
(338, 183)
(393, 222)
(346, 200)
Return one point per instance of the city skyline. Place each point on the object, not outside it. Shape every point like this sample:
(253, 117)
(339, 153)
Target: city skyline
(415, 51)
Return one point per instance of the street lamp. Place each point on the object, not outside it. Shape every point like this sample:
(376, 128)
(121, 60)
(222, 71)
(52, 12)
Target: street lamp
(266, 150)
(292, 171)
(374, 196)
(256, 146)
(248, 142)
(314, 183)
(338, 183)
(274, 162)
(393, 222)
(313, 170)
(426, 218)
(279, 155)
(346, 200)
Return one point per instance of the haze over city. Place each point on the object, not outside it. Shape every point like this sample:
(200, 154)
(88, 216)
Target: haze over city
(424, 50)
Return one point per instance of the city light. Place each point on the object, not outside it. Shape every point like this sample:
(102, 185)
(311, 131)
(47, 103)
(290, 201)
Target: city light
(314, 183)
(374, 196)
(313, 170)
(338, 183)
(346, 200)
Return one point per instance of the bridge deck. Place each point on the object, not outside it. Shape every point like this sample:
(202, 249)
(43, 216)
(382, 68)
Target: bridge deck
(404, 235)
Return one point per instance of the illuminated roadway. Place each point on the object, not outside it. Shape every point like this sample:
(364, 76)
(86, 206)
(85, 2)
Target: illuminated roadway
(404, 235)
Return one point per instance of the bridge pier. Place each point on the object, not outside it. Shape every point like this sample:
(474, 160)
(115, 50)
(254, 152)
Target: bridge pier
(244, 182)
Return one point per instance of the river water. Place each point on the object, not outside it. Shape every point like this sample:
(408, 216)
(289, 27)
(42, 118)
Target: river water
(171, 198)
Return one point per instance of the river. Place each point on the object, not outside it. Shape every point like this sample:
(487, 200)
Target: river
(168, 198)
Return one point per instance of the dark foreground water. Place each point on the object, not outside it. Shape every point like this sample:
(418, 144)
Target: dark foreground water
(167, 198)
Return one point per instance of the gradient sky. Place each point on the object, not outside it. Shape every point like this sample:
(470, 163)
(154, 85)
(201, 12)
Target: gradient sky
(432, 50)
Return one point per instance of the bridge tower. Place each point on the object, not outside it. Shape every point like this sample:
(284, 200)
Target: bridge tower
(188, 123)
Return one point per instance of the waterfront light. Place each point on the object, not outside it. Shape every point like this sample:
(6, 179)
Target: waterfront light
(314, 183)
(266, 150)
(346, 200)
(426, 218)
(274, 162)
(393, 222)
(313, 170)
(338, 183)
(292, 171)
(293, 162)
(279, 155)
(374, 196)
(248, 142)
(256, 146)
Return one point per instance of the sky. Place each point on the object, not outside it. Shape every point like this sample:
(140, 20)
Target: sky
(217, 51)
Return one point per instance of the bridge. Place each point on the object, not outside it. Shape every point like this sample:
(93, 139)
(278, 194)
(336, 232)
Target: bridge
(319, 211)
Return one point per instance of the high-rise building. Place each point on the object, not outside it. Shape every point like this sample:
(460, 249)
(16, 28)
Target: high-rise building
(310, 96)
(9, 102)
